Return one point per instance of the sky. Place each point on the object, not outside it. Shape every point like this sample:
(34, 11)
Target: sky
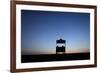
(41, 29)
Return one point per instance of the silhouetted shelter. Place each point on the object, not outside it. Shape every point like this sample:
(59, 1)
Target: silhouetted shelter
(60, 41)
(60, 49)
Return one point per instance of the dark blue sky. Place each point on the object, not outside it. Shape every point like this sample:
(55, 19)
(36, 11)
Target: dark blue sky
(41, 29)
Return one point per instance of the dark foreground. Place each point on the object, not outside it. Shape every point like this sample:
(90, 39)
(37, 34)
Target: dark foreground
(54, 57)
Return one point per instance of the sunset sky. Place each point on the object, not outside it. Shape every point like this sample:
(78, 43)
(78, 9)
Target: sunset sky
(41, 29)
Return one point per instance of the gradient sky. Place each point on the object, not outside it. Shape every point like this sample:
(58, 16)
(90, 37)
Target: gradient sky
(41, 29)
